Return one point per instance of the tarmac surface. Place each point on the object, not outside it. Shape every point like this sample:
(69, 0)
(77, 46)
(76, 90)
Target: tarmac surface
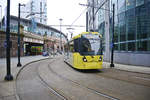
(113, 87)
(8, 89)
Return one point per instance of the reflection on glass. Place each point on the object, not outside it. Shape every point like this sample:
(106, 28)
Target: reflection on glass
(123, 46)
(132, 25)
(142, 45)
(139, 2)
(121, 6)
(130, 4)
(116, 46)
(90, 45)
(142, 22)
(131, 46)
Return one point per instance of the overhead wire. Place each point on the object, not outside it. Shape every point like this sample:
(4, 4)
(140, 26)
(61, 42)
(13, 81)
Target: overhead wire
(79, 16)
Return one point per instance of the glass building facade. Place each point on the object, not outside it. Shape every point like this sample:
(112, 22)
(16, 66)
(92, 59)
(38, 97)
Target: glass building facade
(132, 25)
(40, 29)
(101, 24)
(132, 30)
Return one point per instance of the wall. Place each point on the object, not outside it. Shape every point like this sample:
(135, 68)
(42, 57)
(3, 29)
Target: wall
(14, 49)
(132, 58)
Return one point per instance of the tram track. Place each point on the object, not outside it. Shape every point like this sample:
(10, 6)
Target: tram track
(62, 93)
(129, 79)
(81, 85)
(54, 91)
(118, 89)
(44, 83)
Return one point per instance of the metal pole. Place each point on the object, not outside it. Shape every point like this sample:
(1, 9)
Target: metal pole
(1, 16)
(112, 50)
(71, 35)
(60, 34)
(19, 64)
(93, 16)
(8, 77)
(87, 22)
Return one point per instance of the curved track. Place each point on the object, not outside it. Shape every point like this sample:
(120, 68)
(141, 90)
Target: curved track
(81, 86)
(54, 80)
(113, 87)
(30, 86)
(127, 76)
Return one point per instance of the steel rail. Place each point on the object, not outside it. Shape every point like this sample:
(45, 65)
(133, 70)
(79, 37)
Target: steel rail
(52, 90)
(93, 90)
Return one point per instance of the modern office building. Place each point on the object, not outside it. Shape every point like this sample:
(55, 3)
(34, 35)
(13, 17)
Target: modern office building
(35, 10)
(132, 30)
(91, 16)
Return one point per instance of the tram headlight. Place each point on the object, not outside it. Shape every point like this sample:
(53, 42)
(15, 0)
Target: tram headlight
(100, 58)
(84, 59)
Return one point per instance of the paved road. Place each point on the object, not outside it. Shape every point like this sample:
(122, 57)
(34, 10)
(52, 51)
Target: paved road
(63, 82)
(132, 77)
(121, 89)
(30, 86)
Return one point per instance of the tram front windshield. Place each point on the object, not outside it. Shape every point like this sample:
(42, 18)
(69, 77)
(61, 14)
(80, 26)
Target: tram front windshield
(90, 44)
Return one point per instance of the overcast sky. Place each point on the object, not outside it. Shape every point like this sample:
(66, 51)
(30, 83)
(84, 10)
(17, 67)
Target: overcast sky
(68, 10)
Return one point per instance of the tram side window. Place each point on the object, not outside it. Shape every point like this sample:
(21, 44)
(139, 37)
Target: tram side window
(76, 45)
(71, 48)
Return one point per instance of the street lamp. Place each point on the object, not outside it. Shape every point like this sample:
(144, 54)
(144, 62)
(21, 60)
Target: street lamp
(19, 64)
(60, 33)
(8, 76)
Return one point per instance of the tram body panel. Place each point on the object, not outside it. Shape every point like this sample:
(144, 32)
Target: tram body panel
(71, 59)
(92, 62)
(77, 59)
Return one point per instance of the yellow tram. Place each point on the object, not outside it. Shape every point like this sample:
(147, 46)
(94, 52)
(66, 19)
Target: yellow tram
(84, 51)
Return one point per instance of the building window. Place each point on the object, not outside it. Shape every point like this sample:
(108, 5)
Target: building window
(141, 27)
(116, 34)
(148, 45)
(32, 6)
(130, 4)
(131, 31)
(122, 31)
(142, 22)
(41, 12)
(122, 27)
(121, 6)
(52, 33)
(123, 46)
(139, 2)
(142, 45)
(131, 46)
(130, 24)
(116, 46)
